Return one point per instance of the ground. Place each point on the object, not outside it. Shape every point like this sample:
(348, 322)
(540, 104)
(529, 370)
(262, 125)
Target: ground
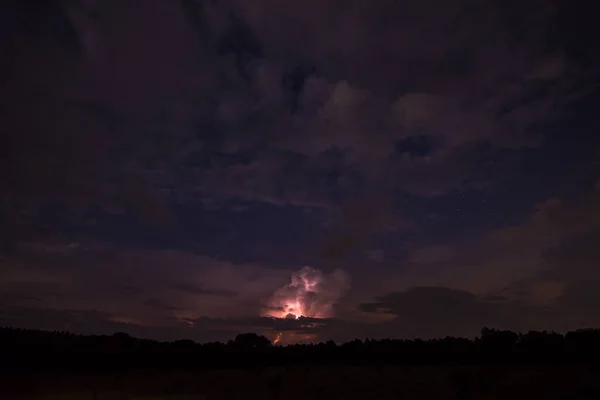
(322, 382)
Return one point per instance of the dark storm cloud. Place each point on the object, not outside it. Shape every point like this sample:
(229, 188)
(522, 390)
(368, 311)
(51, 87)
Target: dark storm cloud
(240, 70)
(518, 251)
(573, 262)
(195, 151)
(439, 311)
(159, 304)
(196, 289)
(128, 281)
(201, 329)
(89, 322)
(541, 273)
(436, 311)
(42, 23)
(300, 325)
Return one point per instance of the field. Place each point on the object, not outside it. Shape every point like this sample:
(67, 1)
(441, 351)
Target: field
(315, 382)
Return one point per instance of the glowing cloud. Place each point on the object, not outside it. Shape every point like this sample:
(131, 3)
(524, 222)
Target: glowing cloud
(309, 294)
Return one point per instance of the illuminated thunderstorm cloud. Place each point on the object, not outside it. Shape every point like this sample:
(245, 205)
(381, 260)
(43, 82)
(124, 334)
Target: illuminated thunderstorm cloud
(309, 294)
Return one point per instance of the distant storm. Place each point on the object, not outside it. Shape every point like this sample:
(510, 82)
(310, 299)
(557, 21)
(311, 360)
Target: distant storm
(310, 293)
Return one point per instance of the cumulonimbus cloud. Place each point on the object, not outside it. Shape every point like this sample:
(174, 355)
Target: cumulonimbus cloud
(310, 293)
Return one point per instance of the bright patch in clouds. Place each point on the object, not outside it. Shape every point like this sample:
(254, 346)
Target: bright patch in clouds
(310, 293)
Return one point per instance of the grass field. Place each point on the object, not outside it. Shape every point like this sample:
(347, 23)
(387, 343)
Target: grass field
(301, 382)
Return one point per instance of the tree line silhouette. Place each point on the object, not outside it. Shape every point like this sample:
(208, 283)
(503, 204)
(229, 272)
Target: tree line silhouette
(39, 350)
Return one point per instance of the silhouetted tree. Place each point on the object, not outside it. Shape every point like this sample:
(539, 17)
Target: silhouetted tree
(498, 343)
(251, 341)
(33, 349)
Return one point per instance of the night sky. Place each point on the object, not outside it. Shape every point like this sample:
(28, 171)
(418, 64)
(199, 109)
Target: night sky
(168, 168)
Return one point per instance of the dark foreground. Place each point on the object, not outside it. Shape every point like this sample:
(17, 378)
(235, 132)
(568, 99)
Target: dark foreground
(318, 382)
(495, 365)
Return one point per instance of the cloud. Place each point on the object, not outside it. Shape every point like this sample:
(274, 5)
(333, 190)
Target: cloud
(536, 275)
(359, 218)
(224, 78)
(200, 329)
(540, 273)
(87, 321)
(195, 289)
(553, 68)
(305, 107)
(159, 304)
(117, 280)
(504, 256)
(310, 294)
(439, 311)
